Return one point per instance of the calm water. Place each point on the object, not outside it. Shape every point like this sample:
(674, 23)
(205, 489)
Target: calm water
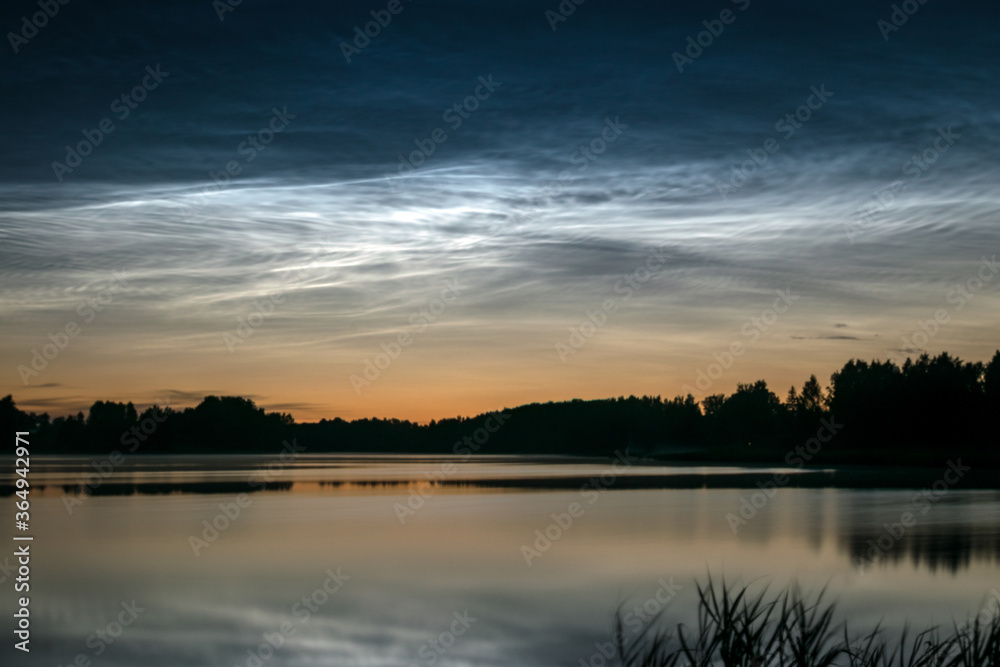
(447, 582)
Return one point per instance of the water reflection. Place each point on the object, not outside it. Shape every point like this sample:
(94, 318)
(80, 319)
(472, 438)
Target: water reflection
(874, 529)
(462, 550)
(961, 528)
(162, 488)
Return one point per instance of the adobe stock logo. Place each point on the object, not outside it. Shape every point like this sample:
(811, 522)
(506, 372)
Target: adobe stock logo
(916, 167)
(88, 309)
(562, 12)
(122, 106)
(596, 318)
(455, 116)
(900, 15)
(714, 28)
(420, 320)
(38, 20)
(262, 310)
(787, 127)
(253, 144)
(363, 38)
(752, 328)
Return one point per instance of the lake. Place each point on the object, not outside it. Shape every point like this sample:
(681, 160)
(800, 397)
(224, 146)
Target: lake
(398, 561)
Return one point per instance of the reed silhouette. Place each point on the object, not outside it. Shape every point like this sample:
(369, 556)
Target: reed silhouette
(736, 627)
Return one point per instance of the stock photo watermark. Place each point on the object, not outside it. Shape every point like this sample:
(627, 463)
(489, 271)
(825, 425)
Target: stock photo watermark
(301, 611)
(958, 297)
(583, 156)
(255, 143)
(561, 13)
(633, 620)
(363, 36)
(105, 637)
(787, 127)
(921, 504)
(696, 44)
(798, 457)
(985, 616)
(104, 468)
(901, 13)
(914, 168)
(230, 512)
(223, 7)
(597, 317)
(122, 106)
(431, 651)
(562, 522)
(88, 310)
(253, 320)
(264, 309)
(422, 491)
(752, 328)
(248, 151)
(454, 116)
(30, 25)
(419, 320)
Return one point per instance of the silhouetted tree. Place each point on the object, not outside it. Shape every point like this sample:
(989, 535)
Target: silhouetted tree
(751, 415)
(991, 397)
(928, 409)
(106, 422)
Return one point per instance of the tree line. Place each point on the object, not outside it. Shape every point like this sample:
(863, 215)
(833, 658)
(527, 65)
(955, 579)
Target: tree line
(927, 410)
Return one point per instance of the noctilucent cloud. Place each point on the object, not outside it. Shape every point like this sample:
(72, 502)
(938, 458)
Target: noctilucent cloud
(423, 209)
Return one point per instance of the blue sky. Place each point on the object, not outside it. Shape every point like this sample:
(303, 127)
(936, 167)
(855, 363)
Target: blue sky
(803, 148)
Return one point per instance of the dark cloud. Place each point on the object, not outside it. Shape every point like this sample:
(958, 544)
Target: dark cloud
(825, 338)
(301, 406)
(55, 404)
(181, 397)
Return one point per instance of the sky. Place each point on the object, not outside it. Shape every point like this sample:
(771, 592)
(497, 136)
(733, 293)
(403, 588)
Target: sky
(486, 204)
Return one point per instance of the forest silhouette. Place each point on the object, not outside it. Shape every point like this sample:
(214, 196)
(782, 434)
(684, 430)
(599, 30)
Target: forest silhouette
(926, 411)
